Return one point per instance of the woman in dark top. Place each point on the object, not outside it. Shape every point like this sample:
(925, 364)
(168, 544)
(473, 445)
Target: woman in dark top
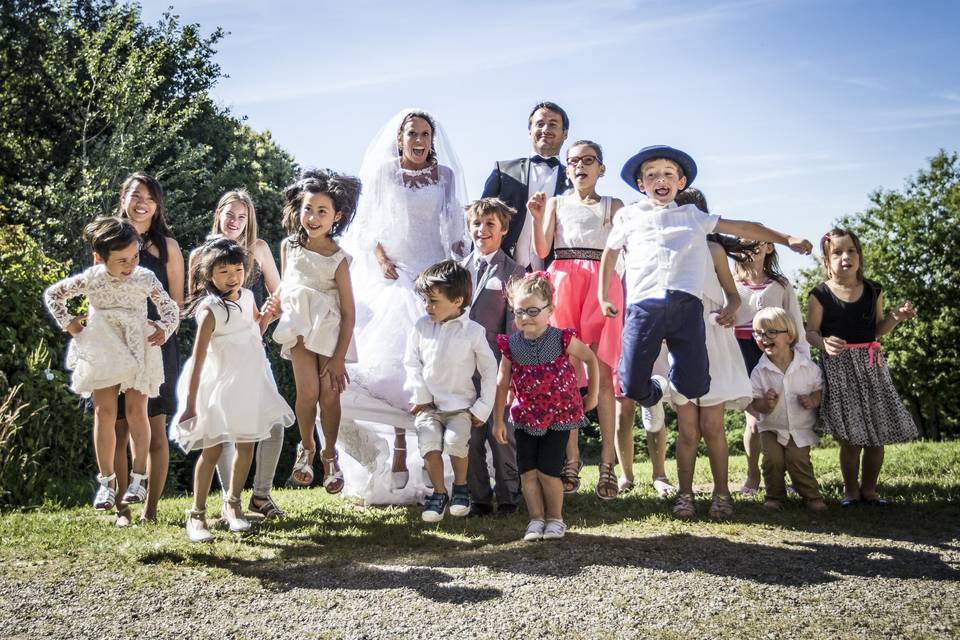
(236, 218)
(141, 201)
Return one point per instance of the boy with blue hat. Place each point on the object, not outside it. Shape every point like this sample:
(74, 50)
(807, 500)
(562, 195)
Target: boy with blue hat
(665, 253)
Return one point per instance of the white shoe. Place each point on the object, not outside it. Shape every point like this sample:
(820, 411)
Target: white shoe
(106, 496)
(534, 530)
(653, 418)
(400, 479)
(235, 524)
(197, 526)
(554, 530)
(670, 392)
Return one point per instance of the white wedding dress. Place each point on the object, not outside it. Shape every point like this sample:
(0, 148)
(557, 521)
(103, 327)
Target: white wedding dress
(416, 216)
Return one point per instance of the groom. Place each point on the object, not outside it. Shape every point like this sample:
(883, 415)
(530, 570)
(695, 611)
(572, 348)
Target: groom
(515, 181)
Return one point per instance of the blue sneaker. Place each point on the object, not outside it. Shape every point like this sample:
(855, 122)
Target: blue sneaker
(434, 507)
(460, 501)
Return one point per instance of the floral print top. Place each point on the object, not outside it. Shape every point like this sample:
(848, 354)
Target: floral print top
(544, 384)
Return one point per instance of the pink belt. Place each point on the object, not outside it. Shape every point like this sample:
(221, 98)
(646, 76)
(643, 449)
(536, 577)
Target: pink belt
(873, 351)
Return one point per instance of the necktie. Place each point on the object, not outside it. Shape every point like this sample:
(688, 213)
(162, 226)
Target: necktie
(481, 269)
(550, 162)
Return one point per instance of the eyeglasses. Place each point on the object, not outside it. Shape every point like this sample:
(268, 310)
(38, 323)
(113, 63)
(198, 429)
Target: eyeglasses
(769, 334)
(584, 160)
(530, 312)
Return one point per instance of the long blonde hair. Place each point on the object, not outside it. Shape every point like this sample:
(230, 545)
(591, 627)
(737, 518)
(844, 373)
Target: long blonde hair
(249, 238)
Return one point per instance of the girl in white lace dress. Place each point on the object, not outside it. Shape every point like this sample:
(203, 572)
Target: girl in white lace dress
(315, 330)
(409, 217)
(115, 349)
(226, 391)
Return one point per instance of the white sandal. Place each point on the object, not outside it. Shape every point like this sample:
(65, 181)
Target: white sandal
(335, 477)
(304, 465)
(661, 484)
(137, 489)
(236, 524)
(106, 495)
(400, 478)
(197, 530)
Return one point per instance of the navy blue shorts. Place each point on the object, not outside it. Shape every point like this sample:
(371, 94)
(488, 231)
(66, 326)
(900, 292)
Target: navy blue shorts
(678, 319)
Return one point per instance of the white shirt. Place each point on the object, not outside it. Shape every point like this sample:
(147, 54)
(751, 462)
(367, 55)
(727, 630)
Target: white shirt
(474, 266)
(540, 177)
(666, 248)
(440, 361)
(788, 418)
(773, 294)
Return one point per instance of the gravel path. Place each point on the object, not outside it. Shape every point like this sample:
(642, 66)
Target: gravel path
(778, 584)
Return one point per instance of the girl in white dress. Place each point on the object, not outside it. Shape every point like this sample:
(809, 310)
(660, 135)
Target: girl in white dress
(316, 326)
(226, 390)
(115, 349)
(409, 217)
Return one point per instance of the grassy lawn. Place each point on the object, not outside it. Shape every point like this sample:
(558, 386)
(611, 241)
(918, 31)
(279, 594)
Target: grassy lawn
(914, 540)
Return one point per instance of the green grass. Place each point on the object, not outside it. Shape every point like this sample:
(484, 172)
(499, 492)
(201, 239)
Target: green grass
(922, 478)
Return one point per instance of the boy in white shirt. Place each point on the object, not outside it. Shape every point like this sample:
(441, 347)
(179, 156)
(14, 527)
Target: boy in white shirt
(787, 387)
(444, 350)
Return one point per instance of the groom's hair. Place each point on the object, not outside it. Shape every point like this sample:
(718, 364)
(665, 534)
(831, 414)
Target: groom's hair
(550, 106)
(447, 278)
(490, 206)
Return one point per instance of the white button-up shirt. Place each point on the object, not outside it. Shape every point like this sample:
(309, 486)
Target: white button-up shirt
(666, 248)
(788, 418)
(540, 177)
(440, 361)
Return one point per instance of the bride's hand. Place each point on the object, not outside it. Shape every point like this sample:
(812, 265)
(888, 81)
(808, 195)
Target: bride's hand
(387, 265)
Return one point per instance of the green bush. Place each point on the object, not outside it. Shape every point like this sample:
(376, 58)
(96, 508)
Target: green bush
(45, 445)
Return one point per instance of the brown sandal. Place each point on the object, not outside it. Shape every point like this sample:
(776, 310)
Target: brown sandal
(607, 487)
(570, 476)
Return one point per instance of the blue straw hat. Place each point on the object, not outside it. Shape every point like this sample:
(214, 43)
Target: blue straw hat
(655, 152)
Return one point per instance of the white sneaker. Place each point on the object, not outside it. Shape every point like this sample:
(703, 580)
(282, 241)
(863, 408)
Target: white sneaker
(554, 530)
(197, 526)
(670, 392)
(534, 530)
(653, 418)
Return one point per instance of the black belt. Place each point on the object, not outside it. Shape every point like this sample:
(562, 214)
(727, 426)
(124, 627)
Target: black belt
(575, 253)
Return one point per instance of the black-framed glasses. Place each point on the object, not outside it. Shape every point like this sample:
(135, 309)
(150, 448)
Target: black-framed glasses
(769, 334)
(584, 160)
(530, 312)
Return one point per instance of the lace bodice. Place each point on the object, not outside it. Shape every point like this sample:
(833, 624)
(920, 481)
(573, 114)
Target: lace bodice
(108, 293)
(311, 269)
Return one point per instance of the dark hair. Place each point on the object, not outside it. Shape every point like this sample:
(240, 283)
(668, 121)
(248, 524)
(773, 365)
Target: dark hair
(491, 206)
(825, 245)
(588, 143)
(432, 155)
(213, 253)
(342, 189)
(110, 233)
(549, 106)
(448, 278)
(692, 196)
(158, 232)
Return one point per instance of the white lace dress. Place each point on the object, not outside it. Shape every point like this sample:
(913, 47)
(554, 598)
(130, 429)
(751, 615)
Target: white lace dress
(113, 348)
(237, 399)
(310, 302)
(429, 230)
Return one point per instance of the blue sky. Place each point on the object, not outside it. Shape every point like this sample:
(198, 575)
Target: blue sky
(794, 110)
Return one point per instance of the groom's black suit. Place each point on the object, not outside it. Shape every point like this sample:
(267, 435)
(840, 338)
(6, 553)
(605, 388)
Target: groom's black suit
(509, 182)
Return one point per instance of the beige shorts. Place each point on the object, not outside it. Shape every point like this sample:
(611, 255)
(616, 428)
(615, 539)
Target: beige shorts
(444, 431)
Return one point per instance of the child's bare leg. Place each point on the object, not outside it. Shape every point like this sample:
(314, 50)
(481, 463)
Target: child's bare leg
(606, 415)
(751, 446)
(203, 476)
(626, 410)
(850, 469)
(399, 450)
(552, 490)
(329, 414)
(120, 462)
(158, 463)
(139, 425)
(433, 461)
(872, 462)
(242, 459)
(306, 374)
(533, 494)
(711, 427)
(657, 450)
(573, 445)
(104, 433)
(459, 465)
(688, 426)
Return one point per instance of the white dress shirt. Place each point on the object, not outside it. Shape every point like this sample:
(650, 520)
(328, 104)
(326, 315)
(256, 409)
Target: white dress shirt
(788, 418)
(540, 177)
(474, 266)
(666, 248)
(440, 361)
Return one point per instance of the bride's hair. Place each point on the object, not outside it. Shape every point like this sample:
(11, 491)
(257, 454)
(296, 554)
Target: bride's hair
(342, 189)
(432, 156)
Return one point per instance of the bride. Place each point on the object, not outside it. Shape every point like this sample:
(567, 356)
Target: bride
(408, 218)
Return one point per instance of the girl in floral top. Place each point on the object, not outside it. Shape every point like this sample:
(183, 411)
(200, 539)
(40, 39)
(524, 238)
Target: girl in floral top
(546, 401)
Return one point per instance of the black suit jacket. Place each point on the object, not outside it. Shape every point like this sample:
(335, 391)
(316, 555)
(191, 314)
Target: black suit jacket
(508, 181)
